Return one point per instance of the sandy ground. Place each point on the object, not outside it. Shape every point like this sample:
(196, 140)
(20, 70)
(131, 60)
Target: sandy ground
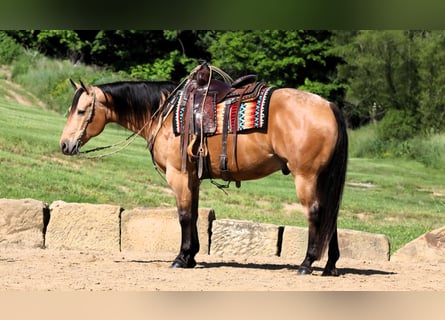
(69, 270)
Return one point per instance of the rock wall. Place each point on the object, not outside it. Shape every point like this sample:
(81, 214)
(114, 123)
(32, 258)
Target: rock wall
(83, 226)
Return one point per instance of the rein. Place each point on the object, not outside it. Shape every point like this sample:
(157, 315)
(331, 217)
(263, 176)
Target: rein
(127, 142)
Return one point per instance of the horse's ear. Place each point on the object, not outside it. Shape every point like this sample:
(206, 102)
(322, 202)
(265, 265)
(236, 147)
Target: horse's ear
(75, 85)
(84, 87)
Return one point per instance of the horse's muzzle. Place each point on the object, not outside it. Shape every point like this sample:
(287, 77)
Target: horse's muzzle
(69, 147)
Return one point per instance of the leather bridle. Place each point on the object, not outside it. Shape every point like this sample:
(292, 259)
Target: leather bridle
(89, 120)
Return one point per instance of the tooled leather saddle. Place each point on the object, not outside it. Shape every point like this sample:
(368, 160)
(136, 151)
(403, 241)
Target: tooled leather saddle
(197, 104)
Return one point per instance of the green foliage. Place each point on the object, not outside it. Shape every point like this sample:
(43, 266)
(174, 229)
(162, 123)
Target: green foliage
(393, 76)
(23, 64)
(397, 125)
(48, 79)
(282, 58)
(328, 91)
(396, 73)
(432, 72)
(364, 143)
(126, 49)
(426, 149)
(61, 43)
(162, 68)
(381, 71)
(9, 49)
(299, 59)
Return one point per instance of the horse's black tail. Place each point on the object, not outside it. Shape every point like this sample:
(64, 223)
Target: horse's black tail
(330, 185)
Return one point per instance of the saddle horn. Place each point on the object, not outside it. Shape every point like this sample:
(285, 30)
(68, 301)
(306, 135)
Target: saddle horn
(203, 75)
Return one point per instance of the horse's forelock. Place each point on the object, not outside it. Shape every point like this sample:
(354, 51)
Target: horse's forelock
(76, 98)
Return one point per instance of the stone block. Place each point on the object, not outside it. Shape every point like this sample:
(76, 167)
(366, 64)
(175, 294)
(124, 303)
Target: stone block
(294, 243)
(158, 230)
(23, 222)
(352, 244)
(361, 245)
(83, 226)
(243, 238)
(429, 247)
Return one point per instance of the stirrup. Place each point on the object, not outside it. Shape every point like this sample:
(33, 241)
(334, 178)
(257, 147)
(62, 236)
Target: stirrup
(201, 152)
(190, 147)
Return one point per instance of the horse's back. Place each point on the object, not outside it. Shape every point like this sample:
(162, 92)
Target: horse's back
(301, 106)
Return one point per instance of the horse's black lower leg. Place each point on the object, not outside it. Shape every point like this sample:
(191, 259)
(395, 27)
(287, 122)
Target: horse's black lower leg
(313, 246)
(311, 253)
(188, 217)
(334, 253)
(189, 240)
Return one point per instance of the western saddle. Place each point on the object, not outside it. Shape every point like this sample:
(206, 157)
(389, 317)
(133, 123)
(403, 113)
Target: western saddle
(200, 95)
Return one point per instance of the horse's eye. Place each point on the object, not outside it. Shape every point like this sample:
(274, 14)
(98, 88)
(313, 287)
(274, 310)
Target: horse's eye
(80, 112)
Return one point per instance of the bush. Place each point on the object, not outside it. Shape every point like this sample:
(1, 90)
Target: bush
(9, 49)
(397, 125)
(364, 143)
(427, 150)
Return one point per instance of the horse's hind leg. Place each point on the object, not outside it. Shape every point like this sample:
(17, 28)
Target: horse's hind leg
(306, 190)
(313, 249)
(317, 239)
(333, 256)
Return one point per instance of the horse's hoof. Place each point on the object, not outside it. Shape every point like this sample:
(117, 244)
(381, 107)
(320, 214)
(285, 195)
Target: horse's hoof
(191, 263)
(179, 263)
(331, 273)
(302, 271)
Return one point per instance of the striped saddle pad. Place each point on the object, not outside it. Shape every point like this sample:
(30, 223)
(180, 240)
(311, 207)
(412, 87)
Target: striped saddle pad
(250, 113)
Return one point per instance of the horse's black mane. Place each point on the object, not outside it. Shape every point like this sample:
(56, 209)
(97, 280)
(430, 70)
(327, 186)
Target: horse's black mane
(132, 99)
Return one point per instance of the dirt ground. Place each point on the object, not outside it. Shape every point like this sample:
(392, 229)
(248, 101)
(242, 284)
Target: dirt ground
(70, 270)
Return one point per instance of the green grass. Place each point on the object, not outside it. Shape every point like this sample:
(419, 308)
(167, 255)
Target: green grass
(399, 198)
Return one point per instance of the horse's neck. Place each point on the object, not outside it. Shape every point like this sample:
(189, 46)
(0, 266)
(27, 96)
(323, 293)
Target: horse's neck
(138, 127)
(158, 125)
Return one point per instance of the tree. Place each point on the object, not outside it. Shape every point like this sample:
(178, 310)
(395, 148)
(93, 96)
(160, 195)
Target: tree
(432, 73)
(382, 70)
(279, 57)
(122, 49)
(62, 44)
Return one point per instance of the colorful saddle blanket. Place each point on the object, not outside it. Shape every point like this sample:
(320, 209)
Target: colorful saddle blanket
(251, 113)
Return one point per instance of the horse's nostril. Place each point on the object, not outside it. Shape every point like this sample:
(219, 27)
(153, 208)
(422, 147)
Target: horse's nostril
(64, 147)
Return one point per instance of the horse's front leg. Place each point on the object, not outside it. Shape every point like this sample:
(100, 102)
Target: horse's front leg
(186, 189)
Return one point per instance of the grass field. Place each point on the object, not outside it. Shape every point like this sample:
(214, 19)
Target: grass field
(401, 199)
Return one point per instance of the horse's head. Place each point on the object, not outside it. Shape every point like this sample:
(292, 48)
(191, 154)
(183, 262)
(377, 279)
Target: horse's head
(86, 118)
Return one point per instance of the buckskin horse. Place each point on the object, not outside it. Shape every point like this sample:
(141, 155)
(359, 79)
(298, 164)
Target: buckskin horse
(305, 135)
